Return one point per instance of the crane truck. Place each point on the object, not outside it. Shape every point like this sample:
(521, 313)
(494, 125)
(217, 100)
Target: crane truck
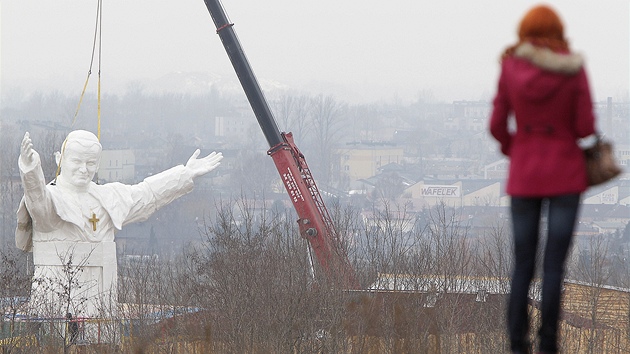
(314, 221)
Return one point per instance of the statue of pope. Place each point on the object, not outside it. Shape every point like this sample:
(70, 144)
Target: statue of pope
(71, 221)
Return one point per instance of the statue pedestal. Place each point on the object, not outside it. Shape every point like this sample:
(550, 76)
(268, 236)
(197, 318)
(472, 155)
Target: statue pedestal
(75, 277)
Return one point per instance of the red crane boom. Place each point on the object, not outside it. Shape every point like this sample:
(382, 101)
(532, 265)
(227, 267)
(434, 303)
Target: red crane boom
(314, 221)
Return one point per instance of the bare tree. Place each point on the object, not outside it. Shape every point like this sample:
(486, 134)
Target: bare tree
(15, 283)
(391, 240)
(390, 185)
(254, 173)
(259, 286)
(327, 115)
(292, 113)
(365, 122)
(592, 269)
(494, 252)
(58, 292)
(10, 186)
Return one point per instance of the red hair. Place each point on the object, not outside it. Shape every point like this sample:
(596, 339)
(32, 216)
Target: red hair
(541, 22)
(542, 27)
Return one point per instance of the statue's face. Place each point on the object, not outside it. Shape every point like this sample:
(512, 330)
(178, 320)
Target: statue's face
(79, 163)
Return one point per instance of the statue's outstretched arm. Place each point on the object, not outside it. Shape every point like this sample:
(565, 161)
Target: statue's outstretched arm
(161, 189)
(36, 198)
(201, 166)
(28, 156)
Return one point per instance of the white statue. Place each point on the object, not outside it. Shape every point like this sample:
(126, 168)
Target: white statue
(69, 224)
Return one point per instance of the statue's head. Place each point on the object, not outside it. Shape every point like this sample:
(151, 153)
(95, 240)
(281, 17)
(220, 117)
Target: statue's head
(80, 156)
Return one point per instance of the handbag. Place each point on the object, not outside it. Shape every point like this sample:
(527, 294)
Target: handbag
(601, 165)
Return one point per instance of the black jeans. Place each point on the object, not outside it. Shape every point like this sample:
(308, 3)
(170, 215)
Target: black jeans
(526, 215)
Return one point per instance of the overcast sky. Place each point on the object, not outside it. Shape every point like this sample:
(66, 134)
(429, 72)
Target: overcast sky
(358, 49)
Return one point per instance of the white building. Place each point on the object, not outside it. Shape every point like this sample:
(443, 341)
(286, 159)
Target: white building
(117, 166)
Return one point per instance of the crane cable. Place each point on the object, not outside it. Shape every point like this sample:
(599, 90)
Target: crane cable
(97, 38)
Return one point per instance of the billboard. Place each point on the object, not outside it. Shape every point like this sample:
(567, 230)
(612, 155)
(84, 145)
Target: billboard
(441, 191)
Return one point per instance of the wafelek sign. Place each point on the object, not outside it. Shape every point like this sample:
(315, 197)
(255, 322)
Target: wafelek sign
(441, 191)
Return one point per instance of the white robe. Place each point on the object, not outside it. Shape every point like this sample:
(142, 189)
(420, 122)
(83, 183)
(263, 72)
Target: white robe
(55, 225)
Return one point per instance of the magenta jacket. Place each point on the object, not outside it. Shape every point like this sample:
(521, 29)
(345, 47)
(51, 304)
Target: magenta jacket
(548, 94)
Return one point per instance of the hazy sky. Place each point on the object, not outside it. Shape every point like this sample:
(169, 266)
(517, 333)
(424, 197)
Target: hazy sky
(358, 49)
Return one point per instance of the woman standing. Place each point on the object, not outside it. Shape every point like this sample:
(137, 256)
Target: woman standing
(544, 87)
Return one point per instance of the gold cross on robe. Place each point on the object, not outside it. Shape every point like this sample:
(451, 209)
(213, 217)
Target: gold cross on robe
(94, 220)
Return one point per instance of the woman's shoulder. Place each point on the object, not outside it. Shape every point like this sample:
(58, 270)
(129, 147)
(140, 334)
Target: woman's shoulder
(566, 63)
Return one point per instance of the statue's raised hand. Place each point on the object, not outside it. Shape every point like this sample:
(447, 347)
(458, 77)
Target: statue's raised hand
(203, 165)
(28, 155)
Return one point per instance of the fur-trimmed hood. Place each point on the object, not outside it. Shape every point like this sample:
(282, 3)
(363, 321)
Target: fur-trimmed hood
(537, 73)
(549, 60)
